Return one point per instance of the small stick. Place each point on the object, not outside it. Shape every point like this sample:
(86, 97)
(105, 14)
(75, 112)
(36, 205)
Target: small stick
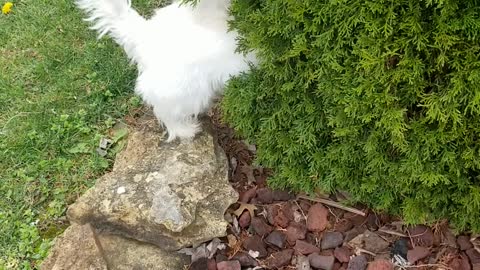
(361, 250)
(333, 214)
(392, 232)
(301, 210)
(427, 265)
(333, 204)
(411, 239)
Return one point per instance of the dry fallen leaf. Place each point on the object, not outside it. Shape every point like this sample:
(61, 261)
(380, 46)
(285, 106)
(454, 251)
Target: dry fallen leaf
(213, 246)
(235, 244)
(235, 228)
(204, 251)
(232, 240)
(245, 206)
(196, 253)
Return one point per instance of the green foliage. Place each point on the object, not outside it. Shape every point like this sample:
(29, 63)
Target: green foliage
(380, 98)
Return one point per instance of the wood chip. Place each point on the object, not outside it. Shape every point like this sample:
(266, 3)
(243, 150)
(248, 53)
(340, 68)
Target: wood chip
(333, 204)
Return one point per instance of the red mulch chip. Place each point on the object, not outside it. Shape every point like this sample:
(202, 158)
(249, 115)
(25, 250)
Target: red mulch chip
(380, 265)
(295, 232)
(260, 227)
(464, 243)
(421, 235)
(279, 259)
(304, 248)
(255, 243)
(317, 218)
(229, 265)
(244, 220)
(342, 254)
(246, 196)
(417, 253)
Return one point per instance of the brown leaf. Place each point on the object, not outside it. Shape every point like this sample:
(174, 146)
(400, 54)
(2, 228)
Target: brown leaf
(245, 206)
(232, 240)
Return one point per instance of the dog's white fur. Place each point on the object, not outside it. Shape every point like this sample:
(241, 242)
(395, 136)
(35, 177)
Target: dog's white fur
(184, 55)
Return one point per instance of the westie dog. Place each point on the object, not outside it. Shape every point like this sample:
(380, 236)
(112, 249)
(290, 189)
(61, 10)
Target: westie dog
(184, 55)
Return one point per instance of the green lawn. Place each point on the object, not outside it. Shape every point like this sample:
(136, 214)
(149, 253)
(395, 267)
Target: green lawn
(61, 91)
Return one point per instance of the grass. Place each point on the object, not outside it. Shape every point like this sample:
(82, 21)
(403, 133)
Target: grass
(61, 91)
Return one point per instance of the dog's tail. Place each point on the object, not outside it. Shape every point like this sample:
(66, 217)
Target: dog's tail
(116, 18)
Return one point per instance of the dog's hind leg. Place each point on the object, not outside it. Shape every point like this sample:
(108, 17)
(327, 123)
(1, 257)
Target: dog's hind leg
(177, 125)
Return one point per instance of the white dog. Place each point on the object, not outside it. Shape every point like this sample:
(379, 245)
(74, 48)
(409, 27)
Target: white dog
(184, 55)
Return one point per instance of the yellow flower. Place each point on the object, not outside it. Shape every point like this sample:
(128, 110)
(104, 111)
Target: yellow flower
(7, 7)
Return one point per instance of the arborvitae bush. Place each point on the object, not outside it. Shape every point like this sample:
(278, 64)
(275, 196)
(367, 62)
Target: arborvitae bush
(379, 98)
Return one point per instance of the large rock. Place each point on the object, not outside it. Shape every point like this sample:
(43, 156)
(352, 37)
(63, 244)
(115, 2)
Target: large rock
(80, 248)
(171, 195)
(75, 249)
(126, 254)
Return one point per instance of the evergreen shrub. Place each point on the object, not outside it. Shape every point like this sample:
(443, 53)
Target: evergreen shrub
(379, 98)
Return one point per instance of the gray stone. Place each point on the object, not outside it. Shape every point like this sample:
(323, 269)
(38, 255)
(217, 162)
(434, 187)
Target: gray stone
(245, 259)
(171, 195)
(321, 262)
(375, 243)
(331, 240)
(302, 263)
(369, 241)
(358, 263)
(126, 254)
(276, 238)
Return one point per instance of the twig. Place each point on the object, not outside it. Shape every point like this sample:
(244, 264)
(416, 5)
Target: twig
(301, 210)
(333, 214)
(427, 265)
(415, 235)
(361, 250)
(333, 204)
(392, 232)
(418, 234)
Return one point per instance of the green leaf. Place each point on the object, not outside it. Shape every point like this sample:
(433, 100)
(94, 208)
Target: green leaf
(79, 148)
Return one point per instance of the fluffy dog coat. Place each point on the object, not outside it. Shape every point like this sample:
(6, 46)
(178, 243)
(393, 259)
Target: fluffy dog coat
(184, 55)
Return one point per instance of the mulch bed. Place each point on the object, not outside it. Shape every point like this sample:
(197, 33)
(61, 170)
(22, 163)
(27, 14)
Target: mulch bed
(271, 229)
